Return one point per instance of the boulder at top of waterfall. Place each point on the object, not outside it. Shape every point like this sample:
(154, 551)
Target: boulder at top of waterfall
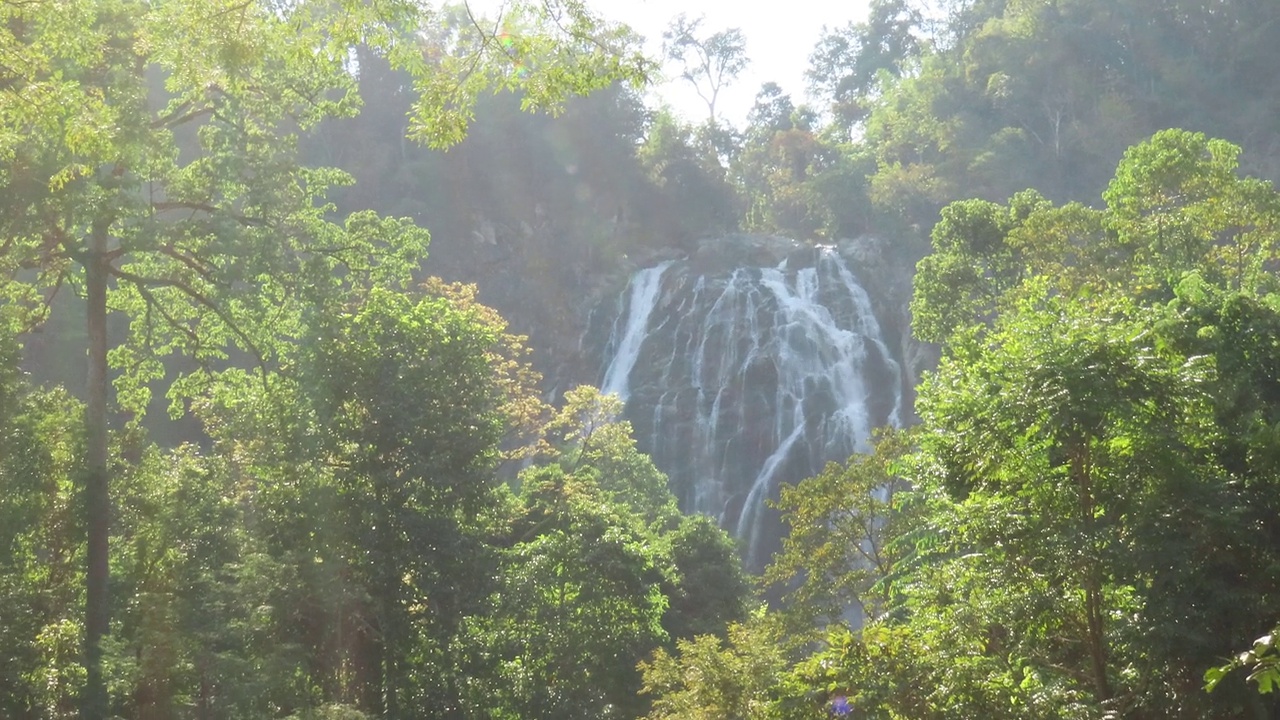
(726, 254)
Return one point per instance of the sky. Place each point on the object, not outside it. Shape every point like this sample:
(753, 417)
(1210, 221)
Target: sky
(779, 34)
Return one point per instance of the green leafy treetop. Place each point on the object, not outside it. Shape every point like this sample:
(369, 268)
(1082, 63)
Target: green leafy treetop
(1177, 205)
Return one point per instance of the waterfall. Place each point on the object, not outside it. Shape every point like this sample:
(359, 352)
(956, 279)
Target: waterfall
(739, 379)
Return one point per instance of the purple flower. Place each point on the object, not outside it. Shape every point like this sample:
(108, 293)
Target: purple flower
(840, 706)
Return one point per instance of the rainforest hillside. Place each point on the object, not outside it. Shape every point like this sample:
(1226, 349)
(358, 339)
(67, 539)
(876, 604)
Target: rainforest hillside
(337, 456)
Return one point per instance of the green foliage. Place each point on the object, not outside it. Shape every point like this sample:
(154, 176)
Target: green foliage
(1178, 202)
(982, 99)
(579, 605)
(589, 440)
(705, 586)
(710, 677)
(711, 589)
(847, 64)
(195, 632)
(401, 386)
(598, 570)
(1261, 660)
(330, 712)
(1176, 206)
(150, 150)
(41, 559)
(545, 51)
(1061, 444)
(1091, 523)
(970, 268)
(401, 408)
(836, 555)
(691, 187)
(198, 185)
(799, 182)
(256, 579)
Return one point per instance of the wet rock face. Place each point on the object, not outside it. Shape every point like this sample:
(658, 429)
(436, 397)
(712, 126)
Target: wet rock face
(749, 365)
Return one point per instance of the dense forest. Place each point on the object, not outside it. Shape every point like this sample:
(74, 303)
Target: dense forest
(311, 474)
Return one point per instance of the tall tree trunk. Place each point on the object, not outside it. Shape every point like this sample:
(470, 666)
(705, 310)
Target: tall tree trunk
(388, 602)
(96, 496)
(1097, 642)
(1081, 469)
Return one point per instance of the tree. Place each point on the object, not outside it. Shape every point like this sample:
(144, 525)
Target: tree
(972, 266)
(1097, 407)
(712, 677)
(1100, 430)
(707, 62)
(376, 491)
(1098, 445)
(706, 587)
(1232, 588)
(781, 157)
(580, 604)
(1099, 380)
(588, 438)
(192, 634)
(711, 590)
(1178, 204)
(1260, 659)
(692, 196)
(845, 65)
(838, 553)
(409, 403)
(150, 153)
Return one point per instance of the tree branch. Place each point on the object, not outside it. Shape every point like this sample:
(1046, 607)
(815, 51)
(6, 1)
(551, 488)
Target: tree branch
(199, 298)
(46, 306)
(171, 205)
(154, 303)
(202, 270)
(180, 116)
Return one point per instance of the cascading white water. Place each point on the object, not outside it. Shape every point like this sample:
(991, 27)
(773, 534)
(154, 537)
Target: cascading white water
(747, 528)
(644, 295)
(740, 380)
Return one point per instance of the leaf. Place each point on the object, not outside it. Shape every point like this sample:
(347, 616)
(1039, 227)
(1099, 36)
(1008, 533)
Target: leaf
(1213, 676)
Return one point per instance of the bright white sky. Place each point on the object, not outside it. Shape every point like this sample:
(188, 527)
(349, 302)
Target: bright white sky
(780, 35)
